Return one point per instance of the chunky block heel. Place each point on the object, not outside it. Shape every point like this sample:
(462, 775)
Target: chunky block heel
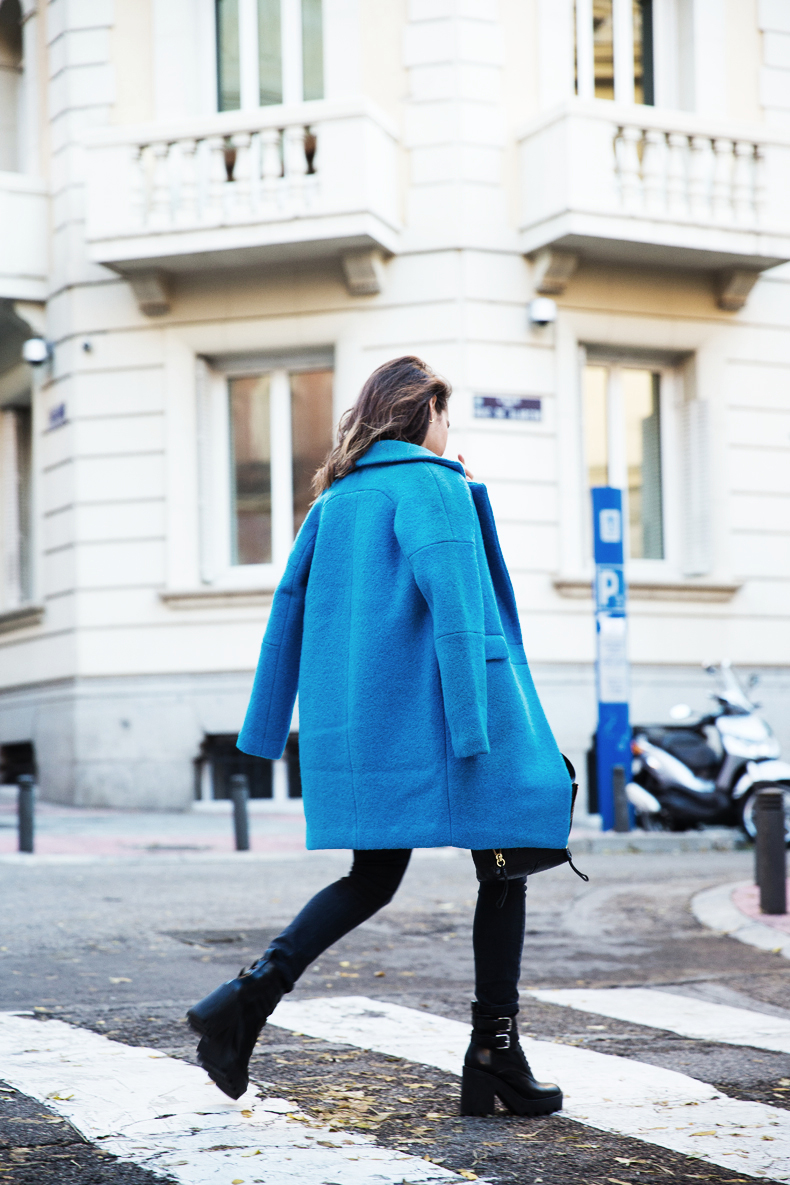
(229, 1020)
(478, 1096)
(495, 1068)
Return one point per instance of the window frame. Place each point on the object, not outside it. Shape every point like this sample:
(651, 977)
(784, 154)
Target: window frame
(16, 505)
(623, 50)
(216, 463)
(291, 55)
(670, 400)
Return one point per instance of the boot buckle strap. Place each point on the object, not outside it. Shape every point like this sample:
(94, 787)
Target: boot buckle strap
(503, 1035)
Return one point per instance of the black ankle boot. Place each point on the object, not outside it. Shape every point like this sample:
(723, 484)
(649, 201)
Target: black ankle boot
(495, 1066)
(229, 1022)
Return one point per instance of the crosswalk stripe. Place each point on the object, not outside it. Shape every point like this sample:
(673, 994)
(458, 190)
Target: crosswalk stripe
(166, 1116)
(684, 1015)
(613, 1094)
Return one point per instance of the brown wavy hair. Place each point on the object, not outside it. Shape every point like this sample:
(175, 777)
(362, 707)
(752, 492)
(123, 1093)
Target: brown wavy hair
(394, 404)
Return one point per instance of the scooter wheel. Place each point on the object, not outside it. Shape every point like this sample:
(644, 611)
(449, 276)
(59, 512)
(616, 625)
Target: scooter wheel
(746, 816)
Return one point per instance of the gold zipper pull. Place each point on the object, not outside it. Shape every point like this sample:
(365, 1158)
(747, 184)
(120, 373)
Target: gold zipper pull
(500, 859)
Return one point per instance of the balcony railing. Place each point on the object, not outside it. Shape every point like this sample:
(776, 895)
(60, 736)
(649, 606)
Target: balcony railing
(274, 183)
(641, 185)
(24, 237)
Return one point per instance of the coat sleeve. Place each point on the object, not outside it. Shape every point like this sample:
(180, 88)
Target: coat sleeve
(434, 525)
(268, 719)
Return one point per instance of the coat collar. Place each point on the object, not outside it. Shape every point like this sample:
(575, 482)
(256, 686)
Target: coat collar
(398, 452)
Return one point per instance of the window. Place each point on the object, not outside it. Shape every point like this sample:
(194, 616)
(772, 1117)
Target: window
(255, 416)
(622, 444)
(15, 516)
(264, 431)
(276, 781)
(614, 50)
(10, 77)
(268, 51)
(16, 759)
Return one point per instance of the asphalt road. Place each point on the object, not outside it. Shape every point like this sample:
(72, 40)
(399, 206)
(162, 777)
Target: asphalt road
(123, 947)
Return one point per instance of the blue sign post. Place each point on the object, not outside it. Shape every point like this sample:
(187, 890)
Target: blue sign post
(613, 745)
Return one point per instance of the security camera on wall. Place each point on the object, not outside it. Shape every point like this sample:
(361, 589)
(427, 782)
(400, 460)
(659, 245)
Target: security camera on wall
(36, 351)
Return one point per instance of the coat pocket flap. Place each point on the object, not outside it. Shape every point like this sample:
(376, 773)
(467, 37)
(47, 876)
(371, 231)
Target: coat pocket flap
(496, 647)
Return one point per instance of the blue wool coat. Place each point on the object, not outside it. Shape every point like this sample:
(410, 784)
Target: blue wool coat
(396, 622)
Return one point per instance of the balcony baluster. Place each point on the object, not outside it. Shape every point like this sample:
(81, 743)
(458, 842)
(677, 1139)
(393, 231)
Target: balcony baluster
(217, 179)
(186, 208)
(677, 164)
(700, 171)
(239, 191)
(271, 163)
(160, 210)
(255, 173)
(295, 163)
(722, 181)
(743, 183)
(759, 184)
(654, 160)
(627, 155)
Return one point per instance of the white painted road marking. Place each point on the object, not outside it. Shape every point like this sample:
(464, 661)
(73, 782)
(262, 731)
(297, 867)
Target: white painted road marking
(166, 1116)
(688, 1017)
(612, 1094)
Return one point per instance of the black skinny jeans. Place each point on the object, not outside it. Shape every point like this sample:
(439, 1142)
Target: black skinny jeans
(497, 938)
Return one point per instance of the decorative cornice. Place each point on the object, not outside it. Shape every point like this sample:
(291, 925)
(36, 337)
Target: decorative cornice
(216, 598)
(21, 618)
(653, 590)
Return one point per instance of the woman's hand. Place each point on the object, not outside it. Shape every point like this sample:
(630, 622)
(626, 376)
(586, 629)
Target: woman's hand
(471, 476)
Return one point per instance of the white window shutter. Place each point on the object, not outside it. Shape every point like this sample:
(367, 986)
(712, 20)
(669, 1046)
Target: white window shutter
(697, 550)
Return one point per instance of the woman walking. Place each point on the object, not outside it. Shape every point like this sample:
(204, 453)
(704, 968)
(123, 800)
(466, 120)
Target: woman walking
(419, 722)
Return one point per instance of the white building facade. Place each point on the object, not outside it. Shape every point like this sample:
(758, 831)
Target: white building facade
(221, 215)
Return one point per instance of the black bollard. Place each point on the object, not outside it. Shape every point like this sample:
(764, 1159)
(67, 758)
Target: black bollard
(239, 792)
(26, 785)
(622, 817)
(770, 854)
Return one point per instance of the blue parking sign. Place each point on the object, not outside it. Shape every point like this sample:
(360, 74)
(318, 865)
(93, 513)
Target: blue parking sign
(609, 588)
(613, 744)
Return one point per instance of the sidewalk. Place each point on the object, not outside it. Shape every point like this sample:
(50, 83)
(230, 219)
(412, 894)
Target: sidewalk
(208, 828)
(90, 831)
(734, 909)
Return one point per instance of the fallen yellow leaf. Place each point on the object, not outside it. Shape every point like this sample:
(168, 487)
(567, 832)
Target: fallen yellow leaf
(247, 1114)
(467, 1174)
(119, 979)
(379, 974)
(702, 1133)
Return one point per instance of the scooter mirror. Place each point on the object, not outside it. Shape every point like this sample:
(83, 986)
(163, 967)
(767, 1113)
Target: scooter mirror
(680, 712)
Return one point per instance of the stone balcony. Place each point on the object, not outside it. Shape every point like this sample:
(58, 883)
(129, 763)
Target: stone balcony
(24, 237)
(640, 186)
(244, 189)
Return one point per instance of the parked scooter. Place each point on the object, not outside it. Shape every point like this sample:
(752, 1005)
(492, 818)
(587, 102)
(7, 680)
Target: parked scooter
(707, 771)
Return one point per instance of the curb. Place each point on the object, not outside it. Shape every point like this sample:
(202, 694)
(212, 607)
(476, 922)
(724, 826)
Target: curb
(710, 839)
(714, 909)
